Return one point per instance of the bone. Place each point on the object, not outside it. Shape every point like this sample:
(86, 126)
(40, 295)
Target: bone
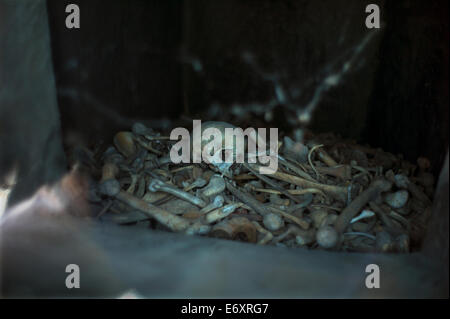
(111, 155)
(268, 236)
(180, 180)
(108, 184)
(337, 192)
(272, 183)
(307, 200)
(235, 228)
(196, 172)
(178, 206)
(109, 171)
(343, 172)
(364, 214)
(215, 186)
(124, 143)
(173, 222)
(216, 203)
(361, 227)
(318, 217)
(371, 193)
(382, 214)
(198, 228)
(327, 237)
(384, 242)
(324, 156)
(297, 220)
(157, 185)
(277, 200)
(296, 150)
(147, 145)
(199, 182)
(302, 237)
(134, 181)
(243, 177)
(354, 165)
(185, 168)
(273, 222)
(248, 200)
(139, 160)
(151, 197)
(281, 205)
(141, 187)
(330, 219)
(192, 214)
(291, 191)
(310, 160)
(159, 172)
(221, 213)
(397, 199)
(402, 181)
(111, 187)
(403, 221)
(294, 168)
(163, 160)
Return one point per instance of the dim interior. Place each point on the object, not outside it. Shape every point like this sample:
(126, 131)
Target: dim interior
(167, 62)
(302, 67)
(368, 105)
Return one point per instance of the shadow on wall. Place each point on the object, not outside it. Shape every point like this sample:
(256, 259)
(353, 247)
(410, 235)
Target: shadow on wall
(295, 43)
(408, 110)
(123, 63)
(153, 59)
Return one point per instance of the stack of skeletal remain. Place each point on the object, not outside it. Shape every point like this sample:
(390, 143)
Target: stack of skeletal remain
(327, 193)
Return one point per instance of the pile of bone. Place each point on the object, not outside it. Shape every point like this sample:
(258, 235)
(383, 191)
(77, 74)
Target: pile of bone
(327, 193)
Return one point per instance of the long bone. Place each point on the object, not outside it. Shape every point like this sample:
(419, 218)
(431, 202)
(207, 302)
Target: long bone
(158, 185)
(338, 192)
(173, 222)
(371, 193)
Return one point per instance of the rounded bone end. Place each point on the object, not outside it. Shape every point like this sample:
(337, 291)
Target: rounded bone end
(124, 142)
(327, 237)
(397, 199)
(154, 186)
(139, 128)
(109, 187)
(401, 181)
(218, 201)
(216, 186)
(237, 228)
(382, 184)
(273, 222)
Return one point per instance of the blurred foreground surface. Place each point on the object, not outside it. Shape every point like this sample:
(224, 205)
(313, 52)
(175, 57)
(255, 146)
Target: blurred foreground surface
(36, 249)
